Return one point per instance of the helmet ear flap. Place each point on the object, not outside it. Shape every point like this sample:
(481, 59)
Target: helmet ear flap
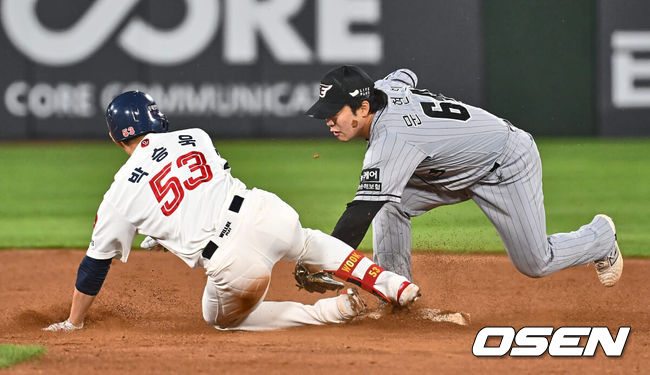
(161, 125)
(164, 123)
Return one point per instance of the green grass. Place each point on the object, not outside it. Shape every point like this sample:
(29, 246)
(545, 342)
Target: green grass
(50, 191)
(12, 354)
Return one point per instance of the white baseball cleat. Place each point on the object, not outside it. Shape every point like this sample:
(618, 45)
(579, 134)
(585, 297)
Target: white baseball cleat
(65, 326)
(350, 303)
(610, 268)
(409, 294)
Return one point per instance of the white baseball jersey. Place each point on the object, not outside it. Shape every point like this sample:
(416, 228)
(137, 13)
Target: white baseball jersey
(173, 188)
(177, 189)
(428, 139)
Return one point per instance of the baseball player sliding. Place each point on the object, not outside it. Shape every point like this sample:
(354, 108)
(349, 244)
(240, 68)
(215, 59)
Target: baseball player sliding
(176, 189)
(426, 150)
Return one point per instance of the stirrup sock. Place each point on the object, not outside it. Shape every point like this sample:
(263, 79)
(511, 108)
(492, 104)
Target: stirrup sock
(359, 270)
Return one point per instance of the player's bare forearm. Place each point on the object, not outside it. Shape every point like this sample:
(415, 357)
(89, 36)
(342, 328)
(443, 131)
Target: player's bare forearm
(80, 304)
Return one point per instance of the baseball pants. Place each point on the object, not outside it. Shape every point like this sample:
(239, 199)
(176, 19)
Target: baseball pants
(265, 231)
(511, 197)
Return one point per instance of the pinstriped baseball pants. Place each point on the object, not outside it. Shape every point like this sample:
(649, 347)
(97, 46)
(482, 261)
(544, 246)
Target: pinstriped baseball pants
(511, 197)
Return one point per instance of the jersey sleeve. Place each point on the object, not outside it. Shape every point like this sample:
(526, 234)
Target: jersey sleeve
(388, 165)
(112, 236)
(399, 78)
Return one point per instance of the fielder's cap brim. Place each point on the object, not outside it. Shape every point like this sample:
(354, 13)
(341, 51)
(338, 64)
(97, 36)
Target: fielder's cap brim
(323, 109)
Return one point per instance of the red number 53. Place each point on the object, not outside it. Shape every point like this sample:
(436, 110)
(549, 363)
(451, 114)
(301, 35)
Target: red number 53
(195, 162)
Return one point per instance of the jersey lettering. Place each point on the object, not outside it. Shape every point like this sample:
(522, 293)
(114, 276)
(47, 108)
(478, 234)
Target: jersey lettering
(199, 164)
(195, 162)
(400, 101)
(137, 175)
(159, 154)
(186, 140)
(448, 108)
(160, 190)
(412, 120)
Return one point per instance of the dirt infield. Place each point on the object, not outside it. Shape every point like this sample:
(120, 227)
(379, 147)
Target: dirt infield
(147, 319)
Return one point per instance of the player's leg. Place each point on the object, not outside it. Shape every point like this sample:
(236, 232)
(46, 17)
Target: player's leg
(323, 252)
(239, 272)
(515, 205)
(234, 305)
(281, 236)
(391, 227)
(233, 290)
(391, 239)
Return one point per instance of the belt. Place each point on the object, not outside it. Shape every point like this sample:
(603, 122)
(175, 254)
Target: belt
(211, 247)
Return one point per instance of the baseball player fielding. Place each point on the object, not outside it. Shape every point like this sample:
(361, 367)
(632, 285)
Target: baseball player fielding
(426, 150)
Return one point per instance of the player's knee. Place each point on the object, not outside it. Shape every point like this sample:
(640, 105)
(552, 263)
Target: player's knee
(210, 305)
(532, 274)
(244, 293)
(210, 316)
(530, 271)
(392, 210)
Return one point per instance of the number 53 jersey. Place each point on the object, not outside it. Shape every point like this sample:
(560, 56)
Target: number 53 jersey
(424, 139)
(173, 188)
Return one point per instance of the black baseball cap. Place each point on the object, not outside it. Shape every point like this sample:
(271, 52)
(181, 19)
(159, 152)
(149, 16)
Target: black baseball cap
(338, 88)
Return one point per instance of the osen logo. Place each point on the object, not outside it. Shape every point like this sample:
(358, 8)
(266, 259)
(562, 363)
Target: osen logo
(564, 342)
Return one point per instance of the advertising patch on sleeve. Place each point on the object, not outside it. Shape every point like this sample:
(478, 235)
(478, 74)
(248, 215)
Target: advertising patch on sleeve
(369, 180)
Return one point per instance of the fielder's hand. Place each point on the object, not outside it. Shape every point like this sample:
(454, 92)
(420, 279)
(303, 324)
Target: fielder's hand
(314, 282)
(63, 326)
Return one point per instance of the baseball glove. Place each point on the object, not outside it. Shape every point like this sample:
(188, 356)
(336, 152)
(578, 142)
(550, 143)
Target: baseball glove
(319, 282)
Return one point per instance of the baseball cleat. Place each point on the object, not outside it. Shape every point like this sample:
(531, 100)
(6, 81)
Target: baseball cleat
(408, 294)
(350, 303)
(65, 326)
(610, 268)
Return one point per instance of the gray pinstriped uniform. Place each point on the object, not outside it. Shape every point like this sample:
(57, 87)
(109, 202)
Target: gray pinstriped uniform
(427, 151)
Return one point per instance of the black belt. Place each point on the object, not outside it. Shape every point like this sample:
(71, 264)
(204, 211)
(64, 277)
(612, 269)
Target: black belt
(211, 247)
